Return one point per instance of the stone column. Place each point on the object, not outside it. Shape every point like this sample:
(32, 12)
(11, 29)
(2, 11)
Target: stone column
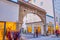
(42, 30)
(21, 16)
(45, 24)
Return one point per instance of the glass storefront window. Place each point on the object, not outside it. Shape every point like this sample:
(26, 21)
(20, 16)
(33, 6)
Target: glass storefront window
(10, 28)
(39, 29)
(7, 25)
(29, 29)
(11, 25)
(1, 30)
(57, 27)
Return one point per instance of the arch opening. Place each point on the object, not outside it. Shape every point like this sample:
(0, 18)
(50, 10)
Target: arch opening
(31, 22)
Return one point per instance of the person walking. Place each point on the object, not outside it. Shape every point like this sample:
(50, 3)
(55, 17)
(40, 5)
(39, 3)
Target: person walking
(57, 33)
(9, 35)
(15, 36)
(36, 33)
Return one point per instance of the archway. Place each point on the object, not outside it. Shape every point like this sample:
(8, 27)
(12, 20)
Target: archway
(26, 8)
(30, 21)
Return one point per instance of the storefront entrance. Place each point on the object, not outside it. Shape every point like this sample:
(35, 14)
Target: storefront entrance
(38, 29)
(6, 27)
(51, 30)
(29, 29)
(26, 8)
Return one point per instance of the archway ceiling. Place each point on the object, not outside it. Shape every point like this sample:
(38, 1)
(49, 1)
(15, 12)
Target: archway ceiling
(31, 18)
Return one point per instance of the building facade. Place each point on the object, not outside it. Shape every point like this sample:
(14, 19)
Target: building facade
(9, 11)
(8, 17)
(57, 12)
(47, 5)
(28, 8)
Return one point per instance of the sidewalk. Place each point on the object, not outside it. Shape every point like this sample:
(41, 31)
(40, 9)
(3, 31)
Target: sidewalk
(30, 37)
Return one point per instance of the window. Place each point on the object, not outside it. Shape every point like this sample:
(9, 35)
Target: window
(15, 1)
(41, 3)
(59, 21)
(56, 19)
(54, 0)
(1, 30)
(34, 1)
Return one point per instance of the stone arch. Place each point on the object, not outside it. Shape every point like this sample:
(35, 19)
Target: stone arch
(34, 15)
(24, 11)
(41, 17)
(25, 8)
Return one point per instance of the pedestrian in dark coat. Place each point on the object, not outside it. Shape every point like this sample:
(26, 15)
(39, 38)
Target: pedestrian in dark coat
(36, 33)
(57, 33)
(9, 35)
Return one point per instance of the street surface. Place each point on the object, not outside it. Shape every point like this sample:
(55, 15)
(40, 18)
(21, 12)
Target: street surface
(30, 37)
